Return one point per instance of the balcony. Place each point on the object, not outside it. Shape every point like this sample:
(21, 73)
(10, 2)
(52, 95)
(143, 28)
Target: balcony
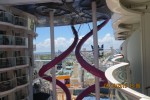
(20, 21)
(21, 61)
(7, 85)
(116, 75)
(13, 62)
(22, 94)
(6, 17)
(6, 62)
(20, 41)
(22, 80)
(10, 18)
(8, 40)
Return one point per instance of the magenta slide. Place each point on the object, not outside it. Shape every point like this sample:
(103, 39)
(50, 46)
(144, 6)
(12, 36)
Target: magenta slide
(56, 61)
(87, 66)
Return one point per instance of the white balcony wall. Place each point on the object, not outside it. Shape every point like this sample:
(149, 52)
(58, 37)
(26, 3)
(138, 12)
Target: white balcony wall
(145, 23)
(131, 49)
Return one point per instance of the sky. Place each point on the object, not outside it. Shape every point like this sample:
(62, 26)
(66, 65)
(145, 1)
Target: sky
(64, 37)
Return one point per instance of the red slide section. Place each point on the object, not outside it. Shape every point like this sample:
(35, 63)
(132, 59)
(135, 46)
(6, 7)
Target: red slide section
(87, 66)
(56, 61)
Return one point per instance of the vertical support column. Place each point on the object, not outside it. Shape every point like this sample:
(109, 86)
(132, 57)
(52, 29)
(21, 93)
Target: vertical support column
(30, 61)
(95, 41)
(51, 14)
(145, 23)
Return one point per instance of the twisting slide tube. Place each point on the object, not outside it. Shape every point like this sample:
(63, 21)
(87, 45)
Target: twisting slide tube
(87, 66)
(56, 61)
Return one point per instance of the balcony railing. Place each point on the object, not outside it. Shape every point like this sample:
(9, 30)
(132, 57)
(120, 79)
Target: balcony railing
(6, 17)
(13, 61)
(21, 61)
(6, 62)
(7, 85)
(10, 18)
(124, 93)
(22, 80)
(22, 95)
(13, 40)
(6, 40)
(20, 21)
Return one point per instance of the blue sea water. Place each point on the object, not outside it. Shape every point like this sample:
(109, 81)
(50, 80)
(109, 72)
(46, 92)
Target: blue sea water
(93, 98)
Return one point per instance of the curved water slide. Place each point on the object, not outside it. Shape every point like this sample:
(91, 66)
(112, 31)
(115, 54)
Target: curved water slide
(56, 61)
(87, 66)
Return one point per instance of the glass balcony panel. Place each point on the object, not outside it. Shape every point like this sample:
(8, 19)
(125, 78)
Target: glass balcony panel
(13, 61)
(21, 61)
(22, 80)
(7, 85)
(6, 40)
(6, 17)
(120, 75)
(122, 96)
(7, 62)
(20, 41)
(1, 15)
(22, 94)
(10, 18)
(20, 21)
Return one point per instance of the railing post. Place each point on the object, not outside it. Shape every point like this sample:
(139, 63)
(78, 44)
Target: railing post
(95, 41)
(51, 14)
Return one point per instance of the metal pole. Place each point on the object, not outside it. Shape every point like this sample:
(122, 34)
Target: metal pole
(30, 61)
(51, 14)
(95, 42)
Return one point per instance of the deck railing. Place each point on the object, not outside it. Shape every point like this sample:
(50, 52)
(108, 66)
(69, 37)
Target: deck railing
(122, 93)
(7, 85)
(13, 40)
(21, 80)
(13, 61)
(10, 18)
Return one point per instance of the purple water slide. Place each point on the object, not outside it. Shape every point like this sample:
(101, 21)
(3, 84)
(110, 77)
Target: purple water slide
(87, 66)
(55, 61)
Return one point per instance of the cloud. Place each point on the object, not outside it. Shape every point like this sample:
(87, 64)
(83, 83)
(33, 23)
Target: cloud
(107, 39)
(44, 44)
(62, 43)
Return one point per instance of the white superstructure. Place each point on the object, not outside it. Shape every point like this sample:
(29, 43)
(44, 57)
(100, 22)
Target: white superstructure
(17, 30)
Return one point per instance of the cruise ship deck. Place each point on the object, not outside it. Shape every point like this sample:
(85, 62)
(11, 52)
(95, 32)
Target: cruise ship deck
(126, 79)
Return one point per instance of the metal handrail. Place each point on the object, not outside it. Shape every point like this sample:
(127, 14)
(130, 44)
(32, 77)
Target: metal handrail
(128, 91)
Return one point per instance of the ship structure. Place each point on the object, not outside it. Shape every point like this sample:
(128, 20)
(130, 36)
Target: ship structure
(74, 73)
